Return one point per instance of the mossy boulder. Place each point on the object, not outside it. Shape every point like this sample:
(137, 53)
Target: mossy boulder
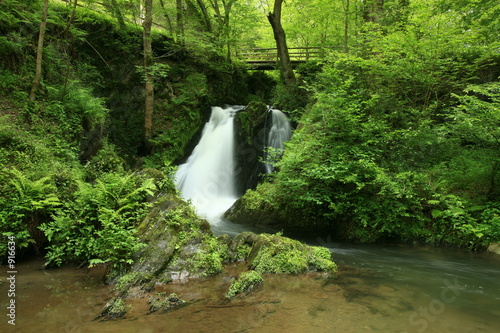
(282, 255)
(114, 309)
(245, 283)
(179, 246)
(252, 210)
(164, 303)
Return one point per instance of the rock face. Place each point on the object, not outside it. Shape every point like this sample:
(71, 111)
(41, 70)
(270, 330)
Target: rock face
(250, 131)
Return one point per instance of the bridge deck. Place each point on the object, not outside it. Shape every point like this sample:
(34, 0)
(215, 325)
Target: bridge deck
(267, 58)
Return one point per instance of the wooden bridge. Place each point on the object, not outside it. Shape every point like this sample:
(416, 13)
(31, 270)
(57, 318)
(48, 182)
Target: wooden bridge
(267, 58)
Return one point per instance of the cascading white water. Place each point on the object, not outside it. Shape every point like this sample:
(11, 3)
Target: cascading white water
(207, 178)
(279, 132)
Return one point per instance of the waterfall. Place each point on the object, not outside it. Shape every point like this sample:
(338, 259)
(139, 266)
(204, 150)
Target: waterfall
(207, 178)
(279, 132)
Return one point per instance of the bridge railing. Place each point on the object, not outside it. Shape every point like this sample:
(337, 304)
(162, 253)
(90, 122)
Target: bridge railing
(297, 54)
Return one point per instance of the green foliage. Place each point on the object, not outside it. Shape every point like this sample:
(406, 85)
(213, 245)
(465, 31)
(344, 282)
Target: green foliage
(209, 259)
(246, 282)
(292, 99)
(390, 131)
(104, 161)
(25, 203)
(97, 226)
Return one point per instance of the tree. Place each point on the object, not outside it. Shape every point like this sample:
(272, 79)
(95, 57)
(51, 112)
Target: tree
(206, 15)
(148, 61)
(115, 10)
(373, 10)
(222, 15)
(346, 4)
(280, 38)
(180, 20)
(39, 51)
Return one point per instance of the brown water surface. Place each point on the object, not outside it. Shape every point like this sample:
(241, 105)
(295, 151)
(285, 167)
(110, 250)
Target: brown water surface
(358, 299)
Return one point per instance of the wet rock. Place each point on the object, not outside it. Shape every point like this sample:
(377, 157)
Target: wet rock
(178, 246)
(245, 283)
(162, 302)
(250, 132)
(242, 245)
(494, 248)
(114, 309)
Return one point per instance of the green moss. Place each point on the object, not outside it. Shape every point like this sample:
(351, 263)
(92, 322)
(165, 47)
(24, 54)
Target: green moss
(246, 282)
(250, 118)
(242, 251)
(126, 281)
(208, 260)
(117, 309)
(160, 302)
(320, 259)
(281, 255)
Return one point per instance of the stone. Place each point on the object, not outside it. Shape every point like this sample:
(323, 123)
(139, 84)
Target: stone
(494, 248)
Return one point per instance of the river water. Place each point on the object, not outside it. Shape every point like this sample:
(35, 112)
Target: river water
(383, 288)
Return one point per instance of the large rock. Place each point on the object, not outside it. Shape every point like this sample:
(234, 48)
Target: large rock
(244, 213)
(180, 246)
(250, 131)
(494, 248)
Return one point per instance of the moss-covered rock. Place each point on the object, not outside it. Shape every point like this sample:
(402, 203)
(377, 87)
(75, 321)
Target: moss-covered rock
(250, 132)
(241, 245)
(179, 246)
(245, 283)
(163, 302)
(282, 255)
(252, 209)
(114, 309)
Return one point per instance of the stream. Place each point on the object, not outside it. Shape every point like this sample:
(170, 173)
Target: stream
(383, 288)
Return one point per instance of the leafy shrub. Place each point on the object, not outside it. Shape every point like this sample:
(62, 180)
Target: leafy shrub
(24, 204)
(382, 142)
(98, 225)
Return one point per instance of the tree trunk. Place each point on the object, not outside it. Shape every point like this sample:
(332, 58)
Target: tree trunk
(71, 17)
(115, 10)
(167, 18)
(148, 61)
(346, 4)
(206, 15)
(280, 38)
(39, 51)
(373, 10)
(180, 21)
